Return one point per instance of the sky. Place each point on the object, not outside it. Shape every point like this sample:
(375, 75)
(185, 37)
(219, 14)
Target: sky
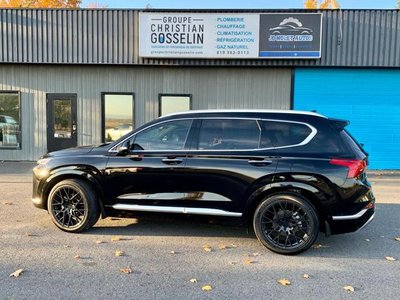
(235, 4)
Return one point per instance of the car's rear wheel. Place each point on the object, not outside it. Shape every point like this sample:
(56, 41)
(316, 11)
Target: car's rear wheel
(73, 206)
(286, 223)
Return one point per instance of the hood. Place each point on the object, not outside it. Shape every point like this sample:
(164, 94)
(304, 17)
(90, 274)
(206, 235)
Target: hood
(70, 151)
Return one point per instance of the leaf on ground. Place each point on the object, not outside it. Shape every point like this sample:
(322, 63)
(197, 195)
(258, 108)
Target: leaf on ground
(119, 253)
(248, 261)
(66, 246)
(222, 247)
(284, 282)
(8, 203)
(172, 252)
(193, 280)
(397, 238)
(233, 246)
(390, 258)
(255, 254)
(348, 288)
(77, 257)
(126, 270)
(17, 273)
(306, 276)
(100, 242)
(116, 238)
(30, 234)
(207, 287)
(318, 246)
(207, 248)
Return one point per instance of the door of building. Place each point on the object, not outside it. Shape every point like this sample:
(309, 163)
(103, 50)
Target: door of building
(61, 121)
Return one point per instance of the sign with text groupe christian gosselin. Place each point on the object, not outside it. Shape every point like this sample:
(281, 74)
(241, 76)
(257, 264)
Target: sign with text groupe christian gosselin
(195, 35)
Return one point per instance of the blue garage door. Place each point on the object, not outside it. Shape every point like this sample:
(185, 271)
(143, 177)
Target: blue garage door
(370, 99)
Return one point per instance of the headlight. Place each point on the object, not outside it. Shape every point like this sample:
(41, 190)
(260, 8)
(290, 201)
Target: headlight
(41, 171)
(43, 161)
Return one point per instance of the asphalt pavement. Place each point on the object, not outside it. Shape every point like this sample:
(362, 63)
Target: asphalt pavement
(169, 258)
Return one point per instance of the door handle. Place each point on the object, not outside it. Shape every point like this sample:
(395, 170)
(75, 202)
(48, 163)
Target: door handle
(172, 161)
(263, 162)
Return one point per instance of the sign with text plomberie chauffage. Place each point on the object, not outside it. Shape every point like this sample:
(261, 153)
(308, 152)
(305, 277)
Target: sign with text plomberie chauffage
(216, 35)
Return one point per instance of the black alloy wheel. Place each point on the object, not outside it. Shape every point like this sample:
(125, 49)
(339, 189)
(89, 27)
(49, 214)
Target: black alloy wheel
(286, 223)
(73, 206)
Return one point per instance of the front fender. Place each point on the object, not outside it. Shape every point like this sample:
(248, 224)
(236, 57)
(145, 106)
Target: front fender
(84, 172)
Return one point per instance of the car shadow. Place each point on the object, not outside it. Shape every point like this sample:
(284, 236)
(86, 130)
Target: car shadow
(172, 225)
(376, 240)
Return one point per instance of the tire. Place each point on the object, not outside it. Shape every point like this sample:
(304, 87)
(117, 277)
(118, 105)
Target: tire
(286, 223)
(73, 206)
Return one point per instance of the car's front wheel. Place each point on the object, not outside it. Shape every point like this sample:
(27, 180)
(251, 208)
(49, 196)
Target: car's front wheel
(286, 223)
(73, 206)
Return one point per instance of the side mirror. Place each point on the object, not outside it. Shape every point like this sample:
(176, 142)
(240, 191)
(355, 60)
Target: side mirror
(123, 150)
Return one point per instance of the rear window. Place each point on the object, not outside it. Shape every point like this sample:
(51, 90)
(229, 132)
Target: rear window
(352, 143)
(283, 134)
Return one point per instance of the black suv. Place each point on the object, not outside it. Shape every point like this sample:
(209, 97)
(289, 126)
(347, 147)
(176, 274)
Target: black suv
(289, 174)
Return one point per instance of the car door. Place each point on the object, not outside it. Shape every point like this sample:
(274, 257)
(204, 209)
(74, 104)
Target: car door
(224, 161)
(152, 171)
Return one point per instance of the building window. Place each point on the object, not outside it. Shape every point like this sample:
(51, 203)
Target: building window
(118, 115)
(10, 134)
(174, 103)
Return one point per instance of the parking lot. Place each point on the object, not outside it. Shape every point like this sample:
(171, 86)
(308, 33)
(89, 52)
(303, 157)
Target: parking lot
(165, 257)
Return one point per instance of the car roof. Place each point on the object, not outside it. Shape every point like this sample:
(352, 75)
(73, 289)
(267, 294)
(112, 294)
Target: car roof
(245, 112)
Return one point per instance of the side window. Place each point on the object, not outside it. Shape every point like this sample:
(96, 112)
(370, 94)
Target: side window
(225, 134)
(282, 134)
(165, 136)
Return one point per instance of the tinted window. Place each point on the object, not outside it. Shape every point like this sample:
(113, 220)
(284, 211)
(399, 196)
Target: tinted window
(281, 134)
(325, 143)
(165, 136)
(228, 134)
(352, 143)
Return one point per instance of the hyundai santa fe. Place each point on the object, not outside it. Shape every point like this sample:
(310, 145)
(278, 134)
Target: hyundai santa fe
(289, 174)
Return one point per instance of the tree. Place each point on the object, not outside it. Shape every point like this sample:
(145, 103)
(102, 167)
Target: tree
(326, 4)
(40, 3)
(398, 4)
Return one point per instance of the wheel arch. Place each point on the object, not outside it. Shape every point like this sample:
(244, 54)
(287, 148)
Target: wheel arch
(75, 173)
(310, 193)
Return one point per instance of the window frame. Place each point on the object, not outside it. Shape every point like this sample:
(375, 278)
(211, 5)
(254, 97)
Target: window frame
(190, 142)
(103, 111)
(173, 95)
(312, 134)
(16, 92)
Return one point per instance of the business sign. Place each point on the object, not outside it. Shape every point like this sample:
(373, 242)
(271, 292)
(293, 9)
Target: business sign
(290, 35)
(195, 35)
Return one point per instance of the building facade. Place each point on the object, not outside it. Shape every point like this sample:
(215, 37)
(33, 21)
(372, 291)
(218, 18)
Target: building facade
(78, 77)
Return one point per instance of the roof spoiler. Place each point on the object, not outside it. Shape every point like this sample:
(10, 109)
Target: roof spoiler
(339, 124)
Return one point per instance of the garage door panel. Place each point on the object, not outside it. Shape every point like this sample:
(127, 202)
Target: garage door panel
(369, 99)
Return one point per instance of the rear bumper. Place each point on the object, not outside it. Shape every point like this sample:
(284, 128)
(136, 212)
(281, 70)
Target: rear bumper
(351, 223)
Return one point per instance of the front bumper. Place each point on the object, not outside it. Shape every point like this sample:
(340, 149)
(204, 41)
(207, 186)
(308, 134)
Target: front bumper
(37, 198)
(39, 203)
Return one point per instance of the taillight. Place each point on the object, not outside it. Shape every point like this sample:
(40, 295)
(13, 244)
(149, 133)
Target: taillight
(355, 166)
